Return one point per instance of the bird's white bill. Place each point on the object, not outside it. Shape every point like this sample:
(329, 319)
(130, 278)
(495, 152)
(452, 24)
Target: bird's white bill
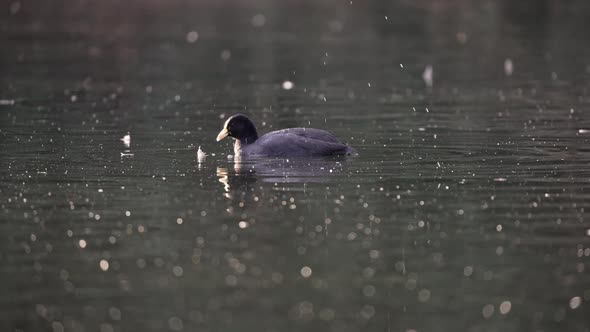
(222, 134)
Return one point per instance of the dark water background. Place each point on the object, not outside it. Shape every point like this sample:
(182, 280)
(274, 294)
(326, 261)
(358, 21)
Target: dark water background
(465, 211)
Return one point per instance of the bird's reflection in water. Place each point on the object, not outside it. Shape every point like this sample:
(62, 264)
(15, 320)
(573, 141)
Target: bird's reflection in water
(246, 172)
(223, 175)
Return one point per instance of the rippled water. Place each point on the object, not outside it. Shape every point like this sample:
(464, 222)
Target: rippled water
(465, 210)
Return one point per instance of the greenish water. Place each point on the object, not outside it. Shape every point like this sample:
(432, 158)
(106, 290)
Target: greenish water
(465, 210)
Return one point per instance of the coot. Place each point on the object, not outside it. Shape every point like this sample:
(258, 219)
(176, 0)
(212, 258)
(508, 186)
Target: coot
(292, 142)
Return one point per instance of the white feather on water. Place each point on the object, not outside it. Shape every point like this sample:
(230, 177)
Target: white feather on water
(508, 67)
(201, 155)
(126, 140)
(427, 76)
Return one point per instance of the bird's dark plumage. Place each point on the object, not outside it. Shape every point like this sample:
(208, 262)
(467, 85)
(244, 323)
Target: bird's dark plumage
(292, 142)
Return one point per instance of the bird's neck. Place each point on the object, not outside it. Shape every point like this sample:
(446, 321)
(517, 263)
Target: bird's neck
(239, 144)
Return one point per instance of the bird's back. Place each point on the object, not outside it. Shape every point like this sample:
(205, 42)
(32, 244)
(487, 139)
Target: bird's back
(298, 142)
(311, 133)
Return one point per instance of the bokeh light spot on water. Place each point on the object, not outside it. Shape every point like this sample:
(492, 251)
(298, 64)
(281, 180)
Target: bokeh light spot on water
(467, 271)
(178, 271)
(258, 20)
(424, 295)
(192, 36)
(488, 311)
(114, 313)
(57, 327)
(231, 280)
(505, 307)
(327, 314)
(175, 324)
(374, 254)
(367, 311)
(306, 272)
(104, 265)
(106, 327)
(369, 290)
(225, 55)
(575, 302)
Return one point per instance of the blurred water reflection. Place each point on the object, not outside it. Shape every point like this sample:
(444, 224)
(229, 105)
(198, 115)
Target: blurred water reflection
(465, 209)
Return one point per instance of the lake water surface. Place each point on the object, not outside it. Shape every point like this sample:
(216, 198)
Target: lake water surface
(464, 211)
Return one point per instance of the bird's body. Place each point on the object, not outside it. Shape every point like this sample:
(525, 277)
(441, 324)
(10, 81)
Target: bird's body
(291, 142)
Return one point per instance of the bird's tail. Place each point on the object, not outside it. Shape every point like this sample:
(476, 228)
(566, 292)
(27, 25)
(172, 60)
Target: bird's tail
(351, 151)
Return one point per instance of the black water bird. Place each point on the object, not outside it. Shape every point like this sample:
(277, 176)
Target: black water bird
(291, 142)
